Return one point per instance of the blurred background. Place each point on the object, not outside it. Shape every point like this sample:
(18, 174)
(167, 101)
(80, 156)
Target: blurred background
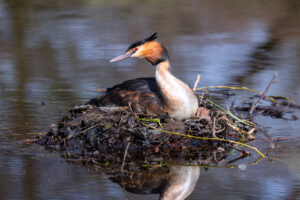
(54, 54)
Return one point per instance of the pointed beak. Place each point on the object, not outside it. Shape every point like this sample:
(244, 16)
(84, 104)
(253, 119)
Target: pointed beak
(121, 57)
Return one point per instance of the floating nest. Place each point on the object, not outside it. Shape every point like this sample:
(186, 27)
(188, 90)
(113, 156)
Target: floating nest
(113, 134)
(144, 153)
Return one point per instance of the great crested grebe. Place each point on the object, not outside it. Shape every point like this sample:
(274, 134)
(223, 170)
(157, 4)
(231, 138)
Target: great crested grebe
(163, 94)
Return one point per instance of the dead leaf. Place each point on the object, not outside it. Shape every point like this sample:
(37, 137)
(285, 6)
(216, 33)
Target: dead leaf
(203, 113)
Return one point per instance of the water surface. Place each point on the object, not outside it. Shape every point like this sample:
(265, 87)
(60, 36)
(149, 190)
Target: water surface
(54, 54)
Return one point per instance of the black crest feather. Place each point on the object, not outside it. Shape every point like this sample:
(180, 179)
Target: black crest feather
(148, 39)
(151, 37)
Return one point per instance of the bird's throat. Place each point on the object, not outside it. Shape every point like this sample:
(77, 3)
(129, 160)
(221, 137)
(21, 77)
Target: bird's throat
(163, 67)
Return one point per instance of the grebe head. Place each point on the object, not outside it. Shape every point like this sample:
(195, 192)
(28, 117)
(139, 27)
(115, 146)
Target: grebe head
(147, 48)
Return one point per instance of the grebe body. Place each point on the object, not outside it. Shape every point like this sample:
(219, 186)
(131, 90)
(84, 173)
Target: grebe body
(163, 94)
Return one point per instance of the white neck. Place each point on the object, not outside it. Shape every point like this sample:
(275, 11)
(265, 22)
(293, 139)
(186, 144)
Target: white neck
(181, 102)
(181, 183)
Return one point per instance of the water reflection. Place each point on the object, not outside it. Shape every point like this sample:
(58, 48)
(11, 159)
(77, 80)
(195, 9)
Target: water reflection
(56, 52)
(175, 182)
(279, 31)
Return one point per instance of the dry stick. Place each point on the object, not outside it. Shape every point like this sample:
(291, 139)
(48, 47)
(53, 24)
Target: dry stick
(232, 104)
(76, 134)
(237, 88)
(125, 155)
(37, 133)
(214, 128)
(102, 90)
(281, 139)
(196, 82)
(263, 95)
(201, 99)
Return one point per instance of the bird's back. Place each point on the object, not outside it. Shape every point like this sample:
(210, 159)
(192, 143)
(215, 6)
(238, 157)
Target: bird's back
(141, 94)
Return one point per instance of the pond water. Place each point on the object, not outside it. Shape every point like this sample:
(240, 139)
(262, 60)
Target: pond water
(54, 54)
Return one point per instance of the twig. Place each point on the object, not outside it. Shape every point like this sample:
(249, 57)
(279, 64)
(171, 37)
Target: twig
(236, 88)
(214, 128)
(239, 130)
(76, 134)
(232, 104)
(30, 141)
(270, 150)
(37, 133)
(263, 95)
(125, 155)
(201, 99)
(196, 82)
(101, 90)
(281, 139)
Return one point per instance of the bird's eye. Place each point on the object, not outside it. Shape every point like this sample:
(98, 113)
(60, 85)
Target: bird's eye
(135, 49)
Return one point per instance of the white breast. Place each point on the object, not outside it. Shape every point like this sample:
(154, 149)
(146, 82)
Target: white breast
(182, 102)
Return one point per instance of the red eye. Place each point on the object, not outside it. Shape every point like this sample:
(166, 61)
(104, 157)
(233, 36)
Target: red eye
(135, 49)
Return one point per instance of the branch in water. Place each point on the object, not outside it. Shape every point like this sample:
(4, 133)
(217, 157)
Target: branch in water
(263, 95)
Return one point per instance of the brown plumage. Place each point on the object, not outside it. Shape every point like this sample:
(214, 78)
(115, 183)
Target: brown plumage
(141, 94)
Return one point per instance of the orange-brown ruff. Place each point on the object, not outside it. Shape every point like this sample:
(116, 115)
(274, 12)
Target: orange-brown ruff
(163, 94)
